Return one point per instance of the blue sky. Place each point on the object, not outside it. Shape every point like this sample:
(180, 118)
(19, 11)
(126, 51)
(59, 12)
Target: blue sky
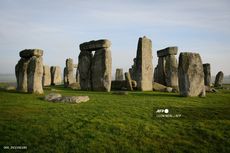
(59, 26)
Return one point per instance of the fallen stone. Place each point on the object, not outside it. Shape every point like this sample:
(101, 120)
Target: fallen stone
(95, 45)
(53, 97)
(56, 97)
(74, 99)
(27, 53)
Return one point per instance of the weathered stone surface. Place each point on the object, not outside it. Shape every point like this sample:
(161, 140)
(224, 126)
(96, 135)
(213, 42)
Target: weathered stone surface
(219, 79)
(167, 51)
(166, 72)
(119, 74)
(74, 99)
(128, 81)
(84, 68)
(21, 74)
(56, 97)
(95, 45)
(160, 78)
(171, 71)
(46, 79)
(207, 74)
(191, 75)
(55, 75)
(34, 75)
(53, 97)
(27, 53)
(102, 70)
(68, 72)
(143, 68)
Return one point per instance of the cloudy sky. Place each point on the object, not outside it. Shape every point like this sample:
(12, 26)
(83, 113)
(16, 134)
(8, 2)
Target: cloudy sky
(59, 26)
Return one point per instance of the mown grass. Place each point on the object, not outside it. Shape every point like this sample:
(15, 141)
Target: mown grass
(112, 123)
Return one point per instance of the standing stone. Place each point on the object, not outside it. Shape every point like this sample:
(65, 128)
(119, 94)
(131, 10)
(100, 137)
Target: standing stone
(161, 71)
(101, 70)
(171, 71)
(166, 72)
(55, 75)
(65, 79)
(21, 74)
(84, 68)
(34, 74)
(128, 81)
(207, 74)
(29, 71)
(191, 75)
(143, 71)
(46, 79)
(219, 79)
(68, 72)
(95, 71)
(119, 74)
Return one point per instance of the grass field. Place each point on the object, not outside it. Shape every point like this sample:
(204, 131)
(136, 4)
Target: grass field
(114, 123)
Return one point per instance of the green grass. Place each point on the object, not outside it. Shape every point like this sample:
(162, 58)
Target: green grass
(112, 123)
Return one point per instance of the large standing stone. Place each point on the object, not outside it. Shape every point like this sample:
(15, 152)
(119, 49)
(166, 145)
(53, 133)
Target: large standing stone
(95, 71)
(68, 72)
(84, 68)
(55, 75)
(46, 79)
(119, 74)
(207, 74)
(191, 75)
(166, 72)
(219, 79)
(160, 78)
(34, 74)
(171, 71)
(143, 67)
(101, 70)
(21, 74)
(29, 71)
